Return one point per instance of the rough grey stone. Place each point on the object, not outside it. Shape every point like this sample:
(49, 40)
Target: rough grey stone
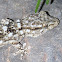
(45, 48)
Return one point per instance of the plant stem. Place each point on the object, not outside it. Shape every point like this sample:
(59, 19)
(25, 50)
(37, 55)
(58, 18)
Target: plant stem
(47, 2)
(37, 5)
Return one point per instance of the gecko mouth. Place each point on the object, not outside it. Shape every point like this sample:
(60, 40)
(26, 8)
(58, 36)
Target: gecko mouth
(31, 28)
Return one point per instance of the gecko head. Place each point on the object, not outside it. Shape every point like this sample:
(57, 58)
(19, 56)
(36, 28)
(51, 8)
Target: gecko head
(53, 23)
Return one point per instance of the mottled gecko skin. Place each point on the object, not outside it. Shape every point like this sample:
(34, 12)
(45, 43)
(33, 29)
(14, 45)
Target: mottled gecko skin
(32, 25)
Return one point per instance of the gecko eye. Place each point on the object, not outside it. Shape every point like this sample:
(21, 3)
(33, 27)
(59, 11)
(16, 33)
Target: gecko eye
(50, 26)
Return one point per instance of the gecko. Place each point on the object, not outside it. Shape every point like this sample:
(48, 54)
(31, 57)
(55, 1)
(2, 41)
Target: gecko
(33, 25)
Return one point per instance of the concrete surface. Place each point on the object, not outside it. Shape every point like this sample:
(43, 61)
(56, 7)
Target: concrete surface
(45, 48)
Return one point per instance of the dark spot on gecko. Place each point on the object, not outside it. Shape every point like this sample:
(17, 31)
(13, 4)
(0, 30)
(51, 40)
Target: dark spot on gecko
(20, 43)
(11, 30)
(1, 35)
(10, 19)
